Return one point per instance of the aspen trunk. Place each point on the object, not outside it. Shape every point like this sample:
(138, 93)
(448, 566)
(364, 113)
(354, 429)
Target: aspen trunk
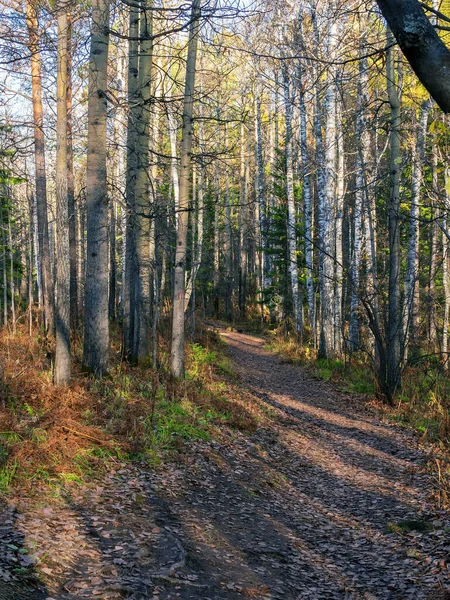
(307, 194)
(177, 348)
(112, 261)
(228, 251)
(412, 261)
(338, 226)
(142, 348)
(326, 208)
(361, 183)
(198, 245)
(291, 217)
(172, 126)
(243, 254)
(39, 154)
(129, 281)
(62, 320)
(263, 220)
(11, 274)
(5, 272)
(96, 323)
(432, 329)
(71, 188)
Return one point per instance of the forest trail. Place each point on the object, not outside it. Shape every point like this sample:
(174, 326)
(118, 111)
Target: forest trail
(325, 502)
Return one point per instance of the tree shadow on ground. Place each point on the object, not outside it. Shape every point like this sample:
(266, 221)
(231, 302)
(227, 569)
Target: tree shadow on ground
(18, 577)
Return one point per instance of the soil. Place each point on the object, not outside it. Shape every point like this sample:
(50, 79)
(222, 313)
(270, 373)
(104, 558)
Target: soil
(323, 501)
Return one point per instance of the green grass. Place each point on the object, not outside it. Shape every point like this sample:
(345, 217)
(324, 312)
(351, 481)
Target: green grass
(7, 475)
(408, 525)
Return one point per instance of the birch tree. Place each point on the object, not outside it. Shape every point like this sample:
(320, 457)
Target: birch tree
(291, 217)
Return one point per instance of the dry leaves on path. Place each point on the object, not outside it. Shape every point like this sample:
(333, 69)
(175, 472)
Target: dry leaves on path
(322, 501)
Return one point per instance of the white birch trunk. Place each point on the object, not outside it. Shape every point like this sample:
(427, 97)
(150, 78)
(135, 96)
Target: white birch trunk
(291, 220)
(412, 261)
(326, 208)
(307, 192)
(339, 220)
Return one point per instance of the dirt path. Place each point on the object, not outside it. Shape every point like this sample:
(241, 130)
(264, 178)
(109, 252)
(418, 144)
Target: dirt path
(326, 503)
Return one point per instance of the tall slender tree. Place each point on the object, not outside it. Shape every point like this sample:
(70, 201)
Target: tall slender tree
(177, 348)
(96, 322)
(62, 320)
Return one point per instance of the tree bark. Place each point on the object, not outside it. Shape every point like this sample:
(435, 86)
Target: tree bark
(71, 188)
(129, 282)
(62, 320)
(40, 170)
(394, 330)
(326, 207)
(412, 261)
(307, 192)
(291, 218)
(422, 46)
(141, 350)
(177, 348)
(96, 322)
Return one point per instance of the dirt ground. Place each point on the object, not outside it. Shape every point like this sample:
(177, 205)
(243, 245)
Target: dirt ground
(324, 501)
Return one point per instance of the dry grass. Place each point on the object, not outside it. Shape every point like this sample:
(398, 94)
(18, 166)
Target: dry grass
(49, 434)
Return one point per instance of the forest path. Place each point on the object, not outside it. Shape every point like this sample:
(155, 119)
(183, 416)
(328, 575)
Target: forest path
(323, 502)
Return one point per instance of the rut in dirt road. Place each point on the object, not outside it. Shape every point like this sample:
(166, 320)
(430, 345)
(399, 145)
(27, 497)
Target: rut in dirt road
(323, 501)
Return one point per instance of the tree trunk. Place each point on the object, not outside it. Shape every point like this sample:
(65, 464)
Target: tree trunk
(412, 261)
(361, 184)
(177, 348)
(326, 208)
(307, 193)
(142, 349)
(96, 323)
(11, 274)
(129, 282)
(263, 221)
(422, 46)
(242, 226)
(394, 331)
(5, 272)
(62, 320)
(39, 154)
(291, 218)
(71, 188)
(446, 272)
(432, 328)
(338, 228)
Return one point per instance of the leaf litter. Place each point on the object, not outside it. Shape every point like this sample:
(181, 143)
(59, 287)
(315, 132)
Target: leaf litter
(322, 501)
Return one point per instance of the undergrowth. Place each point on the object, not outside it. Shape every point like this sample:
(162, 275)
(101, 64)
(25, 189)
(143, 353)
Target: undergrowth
(54, 438)
(351, 376)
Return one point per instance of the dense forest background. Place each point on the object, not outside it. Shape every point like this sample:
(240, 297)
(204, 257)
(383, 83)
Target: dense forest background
(254, 162)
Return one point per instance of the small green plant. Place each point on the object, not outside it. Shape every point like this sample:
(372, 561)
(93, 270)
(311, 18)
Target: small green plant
(7, 474)
(39, 436)
(408, 525)
(71, 478)
(199, 357)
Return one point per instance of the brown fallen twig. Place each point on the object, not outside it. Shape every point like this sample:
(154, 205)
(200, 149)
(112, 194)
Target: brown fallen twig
(90, 437)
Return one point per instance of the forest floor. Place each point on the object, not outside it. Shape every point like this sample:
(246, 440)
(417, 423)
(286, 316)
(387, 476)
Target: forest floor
(323, 500)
